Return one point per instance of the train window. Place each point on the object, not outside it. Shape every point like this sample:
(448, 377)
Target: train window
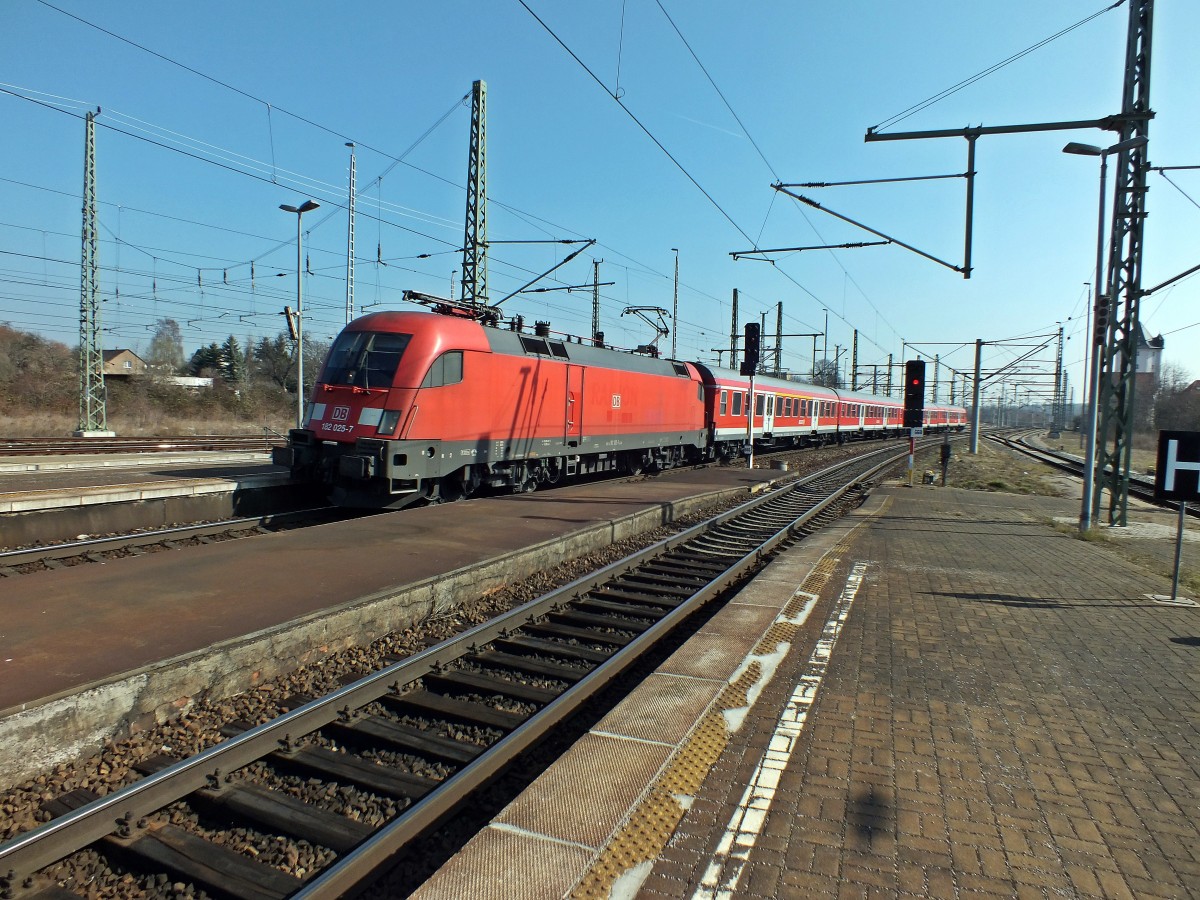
(446, 369)
(759, 402)
(680, 369)
(724, 402)
(771, 405)
(737, 403)
(365, 359)
(559, 349)
(534, 345)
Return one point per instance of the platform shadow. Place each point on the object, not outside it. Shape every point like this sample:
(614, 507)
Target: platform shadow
(1190, 641)
(869, 815)
(1016, 601)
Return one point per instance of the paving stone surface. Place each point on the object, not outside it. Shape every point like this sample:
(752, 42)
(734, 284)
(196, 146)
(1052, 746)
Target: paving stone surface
(1004, 715)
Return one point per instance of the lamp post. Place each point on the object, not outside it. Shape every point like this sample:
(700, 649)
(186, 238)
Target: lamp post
(306, 206)
(1100, 304)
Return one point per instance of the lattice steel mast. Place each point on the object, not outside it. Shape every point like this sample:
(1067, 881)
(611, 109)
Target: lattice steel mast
(1118, 359)
(1058, 417)
(474, 280)
(350, 244)
(596, 301)
(92, 415)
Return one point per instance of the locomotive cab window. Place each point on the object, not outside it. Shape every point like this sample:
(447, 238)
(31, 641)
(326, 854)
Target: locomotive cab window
(365, 359)
(446, 369)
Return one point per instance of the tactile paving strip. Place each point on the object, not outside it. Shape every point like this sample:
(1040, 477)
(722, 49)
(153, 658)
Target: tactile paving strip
(653, 821)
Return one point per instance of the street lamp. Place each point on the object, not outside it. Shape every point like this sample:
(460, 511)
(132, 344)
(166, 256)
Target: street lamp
(1100, 303)
(306, 206)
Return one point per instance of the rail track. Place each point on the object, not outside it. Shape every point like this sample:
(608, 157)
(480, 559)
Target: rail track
(98, 549)
(1140, 487)
(184, 444)
(413, 739)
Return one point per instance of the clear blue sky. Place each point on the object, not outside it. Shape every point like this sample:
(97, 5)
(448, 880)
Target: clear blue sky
(565, 160)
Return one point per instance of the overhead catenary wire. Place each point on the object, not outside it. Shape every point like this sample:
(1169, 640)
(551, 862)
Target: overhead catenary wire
(270, 173)
(995, 67)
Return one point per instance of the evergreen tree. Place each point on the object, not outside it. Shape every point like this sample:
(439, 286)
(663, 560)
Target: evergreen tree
(273, 359)
(233, 361)
(206, 360)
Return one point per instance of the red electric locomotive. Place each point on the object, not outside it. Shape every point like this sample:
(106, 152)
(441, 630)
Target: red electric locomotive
(419, 406)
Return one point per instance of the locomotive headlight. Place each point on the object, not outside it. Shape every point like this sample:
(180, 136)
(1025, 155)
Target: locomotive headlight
(388, 421)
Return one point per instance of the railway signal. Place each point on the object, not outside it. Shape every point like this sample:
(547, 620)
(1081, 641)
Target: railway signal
(914, 393)
(751, 342)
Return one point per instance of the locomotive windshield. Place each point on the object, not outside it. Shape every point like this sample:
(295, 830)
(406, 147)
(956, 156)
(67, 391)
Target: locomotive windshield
(365, 359)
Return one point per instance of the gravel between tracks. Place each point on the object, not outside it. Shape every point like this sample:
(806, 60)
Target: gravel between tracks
(199, 728)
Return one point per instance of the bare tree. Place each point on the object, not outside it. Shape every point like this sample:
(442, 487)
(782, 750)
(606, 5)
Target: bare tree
(166, 347)
(1176, 402)
(826, 374)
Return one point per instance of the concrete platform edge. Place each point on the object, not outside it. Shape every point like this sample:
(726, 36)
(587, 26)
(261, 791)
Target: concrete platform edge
(125, 461)
(645, 814)
(69, 725)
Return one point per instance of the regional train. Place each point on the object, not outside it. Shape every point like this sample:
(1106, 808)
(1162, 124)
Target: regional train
(416, 407)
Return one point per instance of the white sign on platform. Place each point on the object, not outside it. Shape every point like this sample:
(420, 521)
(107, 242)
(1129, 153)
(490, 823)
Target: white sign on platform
(1177, 474)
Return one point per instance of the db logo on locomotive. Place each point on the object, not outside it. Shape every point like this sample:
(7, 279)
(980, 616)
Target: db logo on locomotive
(340, 413)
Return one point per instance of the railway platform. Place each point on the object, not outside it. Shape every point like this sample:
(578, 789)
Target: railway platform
(941, 695)
(140, 637)
(46, 482)
(53, 498)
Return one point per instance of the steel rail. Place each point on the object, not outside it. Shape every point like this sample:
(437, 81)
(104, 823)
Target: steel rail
(1139, 487)
(360, 863)
(24, 855)
(69, 549)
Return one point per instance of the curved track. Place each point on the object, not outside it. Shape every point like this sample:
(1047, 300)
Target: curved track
(422, 733)
(1140, 487)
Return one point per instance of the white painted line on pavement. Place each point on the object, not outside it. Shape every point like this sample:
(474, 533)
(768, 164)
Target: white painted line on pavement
(746, 824)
